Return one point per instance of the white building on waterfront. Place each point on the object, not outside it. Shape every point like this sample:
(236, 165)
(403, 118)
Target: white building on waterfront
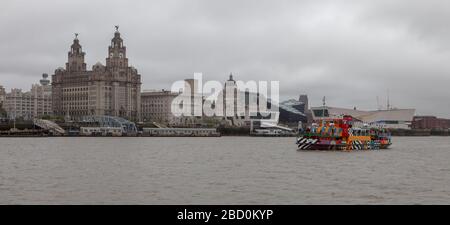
(31, 104)
(241, 107)
(156, 106)
(392, 118)
(185, 107)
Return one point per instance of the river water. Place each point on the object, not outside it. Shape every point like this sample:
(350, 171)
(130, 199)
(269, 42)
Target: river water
(226, 170)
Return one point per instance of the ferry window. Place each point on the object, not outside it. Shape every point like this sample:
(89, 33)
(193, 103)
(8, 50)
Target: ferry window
(321, 113)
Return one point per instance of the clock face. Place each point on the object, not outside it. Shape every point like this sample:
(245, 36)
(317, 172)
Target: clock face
(111, 55)
(120, 55)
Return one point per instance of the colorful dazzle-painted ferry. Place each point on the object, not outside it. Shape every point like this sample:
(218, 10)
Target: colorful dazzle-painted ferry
(345, 133)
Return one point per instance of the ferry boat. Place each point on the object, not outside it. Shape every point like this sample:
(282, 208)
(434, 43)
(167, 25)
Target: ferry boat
(343, 133)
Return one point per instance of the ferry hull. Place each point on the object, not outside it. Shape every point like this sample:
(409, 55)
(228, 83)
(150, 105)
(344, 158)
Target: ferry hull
(317, 144)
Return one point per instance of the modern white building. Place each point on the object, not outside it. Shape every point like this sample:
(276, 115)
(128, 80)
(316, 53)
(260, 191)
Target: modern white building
(31, 104)
(231, 106)
(241, 107)
(393, 118)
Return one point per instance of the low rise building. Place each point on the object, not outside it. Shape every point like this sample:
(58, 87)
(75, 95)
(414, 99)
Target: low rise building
(106, 126)
(393, 118)
(292, 112)
(430, 122)
(156, 106)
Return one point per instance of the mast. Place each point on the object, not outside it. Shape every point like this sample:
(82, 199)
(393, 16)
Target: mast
(388, 106)
(378, 103)
(15, 120)
(323, 109)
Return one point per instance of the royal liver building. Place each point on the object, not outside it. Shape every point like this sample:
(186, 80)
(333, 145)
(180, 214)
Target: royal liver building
(112, 89)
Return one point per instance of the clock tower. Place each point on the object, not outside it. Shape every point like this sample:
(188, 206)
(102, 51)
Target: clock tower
(117, 57)
(75, 62)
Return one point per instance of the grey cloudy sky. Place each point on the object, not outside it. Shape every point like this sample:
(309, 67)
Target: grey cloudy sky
(349, 51)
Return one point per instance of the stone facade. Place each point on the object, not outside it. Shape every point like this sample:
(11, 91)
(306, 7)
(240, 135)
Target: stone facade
(156, 106)
(112, 89)
(430, 122)
(2, 95)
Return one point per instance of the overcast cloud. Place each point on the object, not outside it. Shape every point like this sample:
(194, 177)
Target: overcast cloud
(349, 51)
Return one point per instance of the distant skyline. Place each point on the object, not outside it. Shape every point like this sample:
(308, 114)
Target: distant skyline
(349, 51)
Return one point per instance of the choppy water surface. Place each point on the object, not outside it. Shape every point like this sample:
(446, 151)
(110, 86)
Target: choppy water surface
(226, 170)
